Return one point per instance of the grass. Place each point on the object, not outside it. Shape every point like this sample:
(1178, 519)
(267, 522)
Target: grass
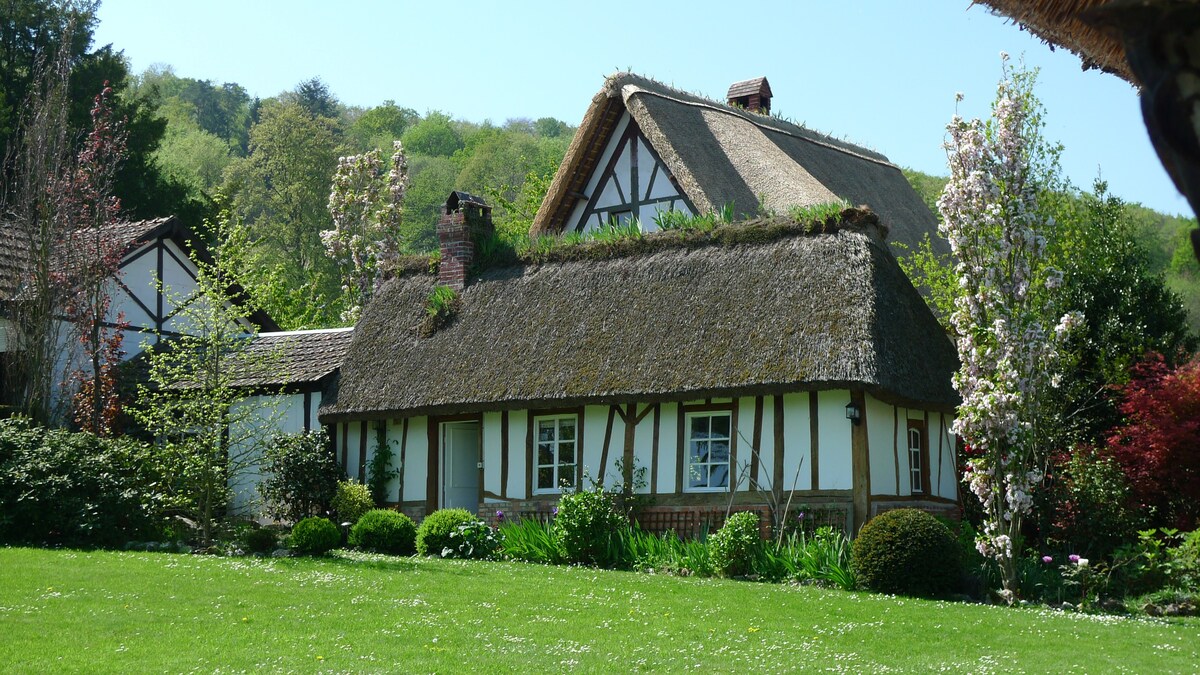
(68, 611)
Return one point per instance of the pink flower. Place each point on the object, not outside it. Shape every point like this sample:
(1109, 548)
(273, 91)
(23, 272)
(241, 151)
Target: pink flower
(1073, 558)
(1047, 559)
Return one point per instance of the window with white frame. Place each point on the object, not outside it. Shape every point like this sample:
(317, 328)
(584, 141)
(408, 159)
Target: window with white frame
(708, 438)
(916, 458)
(557, 453)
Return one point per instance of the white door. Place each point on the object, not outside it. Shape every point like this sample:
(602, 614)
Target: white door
(460, 465)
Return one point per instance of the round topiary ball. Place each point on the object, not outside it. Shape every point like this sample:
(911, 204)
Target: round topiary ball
(384, 531)
(434, 533)
(315, 536)
(907, 552)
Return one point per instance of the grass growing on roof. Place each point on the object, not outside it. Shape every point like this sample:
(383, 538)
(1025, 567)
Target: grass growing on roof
(67, 611)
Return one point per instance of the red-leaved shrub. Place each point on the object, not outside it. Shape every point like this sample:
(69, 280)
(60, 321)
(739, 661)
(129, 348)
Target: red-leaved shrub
(1159, 445)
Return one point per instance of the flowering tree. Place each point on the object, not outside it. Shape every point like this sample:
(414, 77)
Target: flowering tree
(366, 207)
(1002, 321)
(93, 257)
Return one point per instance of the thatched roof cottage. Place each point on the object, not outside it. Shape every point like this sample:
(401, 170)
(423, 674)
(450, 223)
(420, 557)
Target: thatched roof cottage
(764, 359)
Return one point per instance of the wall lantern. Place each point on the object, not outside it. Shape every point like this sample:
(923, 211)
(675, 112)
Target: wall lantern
(853, 413)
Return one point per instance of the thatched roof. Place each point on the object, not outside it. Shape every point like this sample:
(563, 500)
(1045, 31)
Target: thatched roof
(296, 357)
(723, 155)
(767, 310)
(1067, 23)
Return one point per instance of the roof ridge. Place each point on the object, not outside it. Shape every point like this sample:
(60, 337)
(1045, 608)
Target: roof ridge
(308, 331)
(717, 107)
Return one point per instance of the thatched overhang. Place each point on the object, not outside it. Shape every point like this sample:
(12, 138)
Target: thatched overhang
(764, 310)
(1069, 24)
(720, 155)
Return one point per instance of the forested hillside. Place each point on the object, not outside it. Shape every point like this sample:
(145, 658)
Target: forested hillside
(1163, 238)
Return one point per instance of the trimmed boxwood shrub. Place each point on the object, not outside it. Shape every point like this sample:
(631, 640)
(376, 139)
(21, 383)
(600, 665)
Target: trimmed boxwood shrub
(908, 552)
(260, 540)
(351, 501)
(736, 545)
(434, 533)
(315, 536)
(589, 526)
(384, 531)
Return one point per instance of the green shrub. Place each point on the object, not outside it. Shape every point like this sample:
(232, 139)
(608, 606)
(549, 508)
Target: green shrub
(472, 540)
(434, 534)
(301, 476)
(822, 557)
(588, 528)
(77, 489)
(352, 500)
(908, 552)
(315, 536)
(736, 546)
(529, 540)
(385, 531)
(260, 540)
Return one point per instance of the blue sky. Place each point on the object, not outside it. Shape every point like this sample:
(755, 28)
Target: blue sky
(876, 72)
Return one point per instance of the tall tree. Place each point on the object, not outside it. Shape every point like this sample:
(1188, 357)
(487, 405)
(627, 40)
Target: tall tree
(280, 190)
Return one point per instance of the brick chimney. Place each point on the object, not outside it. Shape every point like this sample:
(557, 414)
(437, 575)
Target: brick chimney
(753, 95)
(465, 220)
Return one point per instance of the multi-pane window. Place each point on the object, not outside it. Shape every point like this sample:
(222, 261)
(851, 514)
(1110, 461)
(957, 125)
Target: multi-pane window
(557, 453)
(916, 457)
(708, 436)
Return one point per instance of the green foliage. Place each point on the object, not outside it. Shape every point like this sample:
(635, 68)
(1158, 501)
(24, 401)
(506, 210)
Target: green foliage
(76, 489)
(260, 540)
(588, 527)
(737, 545)
(822, 557)
(441, 301)
(474, 540)
(280, 190)
(384, 531)
(434, 534)
(434, 136)
(380, 471)
(351, 501)
(314, 536)
(377, 127)
(191, 396)
(666, 553)
(301, 476)
(529, 540)
(1091, 505)
(908, 552)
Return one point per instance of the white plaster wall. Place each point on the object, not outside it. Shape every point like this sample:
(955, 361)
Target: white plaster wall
(881, 439)
(643, 446)
(352, 444)
(797, 443)
(947, 484)
(263, 416)
(595, 417)
(745, 437)
(416, 469)
(767, 468)
(668, 447)
(836, 468)
(517, 483)
(491, 452)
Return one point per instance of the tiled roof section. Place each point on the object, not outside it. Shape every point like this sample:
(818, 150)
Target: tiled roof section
(15, 257)
(297, 357)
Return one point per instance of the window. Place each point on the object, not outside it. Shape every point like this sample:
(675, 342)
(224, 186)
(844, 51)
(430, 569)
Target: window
(708, 436)
(918, 458)
(557, 453)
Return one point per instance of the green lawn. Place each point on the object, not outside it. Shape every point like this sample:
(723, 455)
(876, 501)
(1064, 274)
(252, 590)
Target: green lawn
(122, 612)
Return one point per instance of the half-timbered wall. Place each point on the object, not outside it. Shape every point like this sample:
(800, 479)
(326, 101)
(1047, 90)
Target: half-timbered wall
(148, 309)
(800, 441)
(631, 181)
(282, 413)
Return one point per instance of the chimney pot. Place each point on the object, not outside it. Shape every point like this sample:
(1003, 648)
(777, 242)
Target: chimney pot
(466, 220)
(753, 95)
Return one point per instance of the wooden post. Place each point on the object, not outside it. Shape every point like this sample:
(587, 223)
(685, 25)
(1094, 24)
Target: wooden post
(860, 463)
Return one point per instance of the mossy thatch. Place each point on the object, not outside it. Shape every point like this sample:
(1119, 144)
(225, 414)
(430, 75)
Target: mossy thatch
(720, 155)
(768, 307)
